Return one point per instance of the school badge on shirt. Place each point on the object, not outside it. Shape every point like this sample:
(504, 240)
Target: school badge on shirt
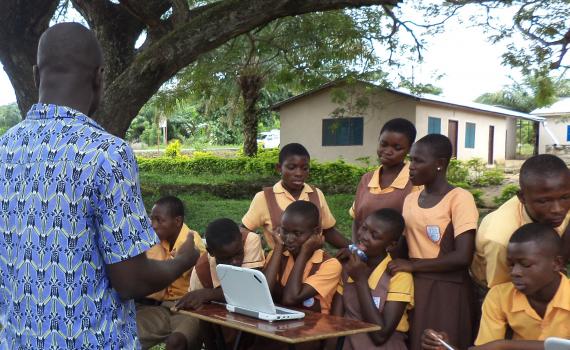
(433, 233)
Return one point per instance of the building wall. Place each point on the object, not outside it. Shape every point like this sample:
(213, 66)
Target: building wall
(558, 127)
(481, 121)
(301, 121)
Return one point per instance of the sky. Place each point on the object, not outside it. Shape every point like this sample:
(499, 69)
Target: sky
(469, 63)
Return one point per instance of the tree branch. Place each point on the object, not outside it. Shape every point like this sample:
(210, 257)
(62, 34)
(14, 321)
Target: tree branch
(209, 27)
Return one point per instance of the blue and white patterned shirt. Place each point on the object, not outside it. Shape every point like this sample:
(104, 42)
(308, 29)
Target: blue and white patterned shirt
(70, 204)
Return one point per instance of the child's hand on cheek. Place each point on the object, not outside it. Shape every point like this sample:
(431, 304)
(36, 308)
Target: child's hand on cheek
(357, 269)
(277, 239)
(313, 243)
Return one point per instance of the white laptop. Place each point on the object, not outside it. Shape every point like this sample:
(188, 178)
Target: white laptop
(247, 293)
(557, 344)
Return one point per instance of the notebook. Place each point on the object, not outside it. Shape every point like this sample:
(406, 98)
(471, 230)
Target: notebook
(247, 293)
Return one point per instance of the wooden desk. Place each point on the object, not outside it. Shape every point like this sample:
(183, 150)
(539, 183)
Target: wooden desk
(314, 326)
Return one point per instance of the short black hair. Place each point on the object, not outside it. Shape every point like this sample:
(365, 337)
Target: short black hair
(221, 232)
(402, 126)
(541, 234)
(173, 204)
(292, 149)
(393, 219)
(439, 145)
(543, 165)
(307, 210)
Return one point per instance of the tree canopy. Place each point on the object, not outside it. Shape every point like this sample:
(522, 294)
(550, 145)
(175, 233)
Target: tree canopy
(177, 32)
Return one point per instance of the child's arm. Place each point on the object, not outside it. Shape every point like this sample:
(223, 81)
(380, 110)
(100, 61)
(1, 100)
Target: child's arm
(430, 342)
(335, 238)
(295, 290)
(458, 259)
(195, 298)
(337, 307)
(392, 313)
(271, 269)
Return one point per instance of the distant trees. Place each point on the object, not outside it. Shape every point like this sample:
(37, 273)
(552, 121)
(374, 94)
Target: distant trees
(9, 116)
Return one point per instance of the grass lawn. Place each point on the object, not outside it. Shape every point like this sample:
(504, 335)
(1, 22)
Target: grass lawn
(203, 208)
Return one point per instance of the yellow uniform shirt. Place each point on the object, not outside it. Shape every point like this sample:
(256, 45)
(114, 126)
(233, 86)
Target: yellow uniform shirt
(425, 226)
(253, 257)
(325, 280)
(162, 252)
(401, 288)
(489, 266)
(258, 214)
(506, 306)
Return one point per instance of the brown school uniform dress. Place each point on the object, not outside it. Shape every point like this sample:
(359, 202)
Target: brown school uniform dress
(371, 197)
(383, 287)
(442, 300)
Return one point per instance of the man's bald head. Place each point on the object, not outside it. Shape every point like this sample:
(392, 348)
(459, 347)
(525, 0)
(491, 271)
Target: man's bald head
(69, 67)
(68, 46)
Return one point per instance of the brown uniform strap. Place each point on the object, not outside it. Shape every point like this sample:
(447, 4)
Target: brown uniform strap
(275, 211)
(382, 289)
(316, 307)
(202, 266)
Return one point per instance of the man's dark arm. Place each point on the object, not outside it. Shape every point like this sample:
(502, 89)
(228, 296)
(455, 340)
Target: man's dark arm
(139, 276)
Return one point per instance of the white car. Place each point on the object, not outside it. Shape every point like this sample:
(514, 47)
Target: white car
(269, 139)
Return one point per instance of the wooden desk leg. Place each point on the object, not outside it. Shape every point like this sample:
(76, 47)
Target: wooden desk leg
(220, 342)
(340, 343)
(238, 340)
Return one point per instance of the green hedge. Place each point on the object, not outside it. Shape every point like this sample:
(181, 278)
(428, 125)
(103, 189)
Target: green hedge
(331, 177)
(330, 174)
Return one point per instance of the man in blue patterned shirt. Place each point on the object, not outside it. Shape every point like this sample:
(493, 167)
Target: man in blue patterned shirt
(73, 228)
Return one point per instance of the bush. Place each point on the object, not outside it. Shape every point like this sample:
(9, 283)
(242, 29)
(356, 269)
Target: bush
(457, 173)
(489, 177)
(473, 173)
(174, 149)
(508, 192)
(335, 174)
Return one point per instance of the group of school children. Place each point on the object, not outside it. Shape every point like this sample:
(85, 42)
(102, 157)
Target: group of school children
(408, 270)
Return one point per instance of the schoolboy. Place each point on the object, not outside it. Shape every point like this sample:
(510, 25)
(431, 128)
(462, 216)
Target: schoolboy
(225, 244)
(267, 206)
(544, 197)
(535, 305)
(365, 281)
(298, 271)
(155, 322)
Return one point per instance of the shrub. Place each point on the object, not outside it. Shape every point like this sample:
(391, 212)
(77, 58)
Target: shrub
(457, 173)
(174, 149)
(489, 177)
(508, 192)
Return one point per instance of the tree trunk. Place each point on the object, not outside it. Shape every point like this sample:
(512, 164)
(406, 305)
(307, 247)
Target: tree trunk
(250, 86)
(173, 42)
(23, 22)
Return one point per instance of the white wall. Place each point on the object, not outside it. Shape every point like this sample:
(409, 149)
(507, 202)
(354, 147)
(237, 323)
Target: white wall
(301, 121)
(481, 121)
(558, 127)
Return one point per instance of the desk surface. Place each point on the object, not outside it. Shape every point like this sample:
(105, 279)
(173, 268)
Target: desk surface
(314, 326)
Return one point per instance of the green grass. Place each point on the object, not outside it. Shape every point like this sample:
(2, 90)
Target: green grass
(184, 179)
(203, 208)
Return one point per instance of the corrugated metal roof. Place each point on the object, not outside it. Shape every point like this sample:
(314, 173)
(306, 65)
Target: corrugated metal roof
(561, 107)
(436, 99)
